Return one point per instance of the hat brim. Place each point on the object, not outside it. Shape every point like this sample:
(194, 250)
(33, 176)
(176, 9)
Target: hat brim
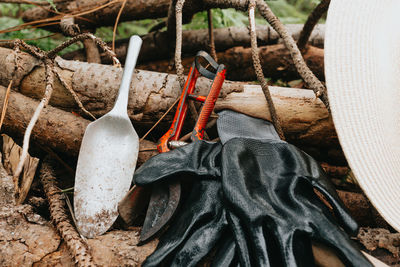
(362, 68)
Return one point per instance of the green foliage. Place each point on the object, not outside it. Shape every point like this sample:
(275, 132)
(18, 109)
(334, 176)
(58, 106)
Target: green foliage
(288, 11)
(221, 18)
(46, 43)
(127, 29)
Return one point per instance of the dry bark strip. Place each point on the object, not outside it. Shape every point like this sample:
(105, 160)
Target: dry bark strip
(305, 120)
(155, 43)
(275, 60)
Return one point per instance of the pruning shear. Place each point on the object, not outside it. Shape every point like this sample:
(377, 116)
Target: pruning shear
(164, 201)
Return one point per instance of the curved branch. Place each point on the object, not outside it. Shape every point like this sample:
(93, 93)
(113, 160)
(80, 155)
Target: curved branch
(301, 66)
(312, 20)
(259, 72)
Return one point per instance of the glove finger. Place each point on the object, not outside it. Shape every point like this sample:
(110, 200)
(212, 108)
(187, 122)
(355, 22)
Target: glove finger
(330, 234)
(250, 242)
(200, 242)
(293, 249)
(201, 213)
(340, 211)
(199, 158)
(312, 171)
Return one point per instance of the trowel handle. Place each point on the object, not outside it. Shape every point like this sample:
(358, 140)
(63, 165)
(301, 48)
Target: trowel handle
(121, 103)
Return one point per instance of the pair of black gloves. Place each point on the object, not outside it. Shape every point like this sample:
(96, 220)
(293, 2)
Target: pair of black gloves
(249, 201)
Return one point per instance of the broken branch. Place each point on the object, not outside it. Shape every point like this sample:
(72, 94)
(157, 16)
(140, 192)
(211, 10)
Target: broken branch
(308, 76)
(259, 72)
(312, 20)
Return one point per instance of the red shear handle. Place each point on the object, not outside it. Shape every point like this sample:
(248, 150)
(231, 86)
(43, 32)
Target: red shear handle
(198, 131)
(175, 130)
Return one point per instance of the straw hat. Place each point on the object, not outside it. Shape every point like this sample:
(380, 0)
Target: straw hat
(362, 68)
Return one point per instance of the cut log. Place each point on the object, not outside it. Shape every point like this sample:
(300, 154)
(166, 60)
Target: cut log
(305, 120)
(59, 130)
(155, 44)
(275, 60)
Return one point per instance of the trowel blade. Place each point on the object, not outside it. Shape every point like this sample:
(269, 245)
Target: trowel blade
(106, 163)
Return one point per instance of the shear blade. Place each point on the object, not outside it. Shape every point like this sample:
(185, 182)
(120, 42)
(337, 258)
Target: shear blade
(163, 204)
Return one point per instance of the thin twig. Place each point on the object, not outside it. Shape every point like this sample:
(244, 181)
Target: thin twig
(304, 71)
(5, 104)
(158, 26)
(259, 72)
(148, 149)
(18, 44)
(49, 70)
(31, 39)
(76, 245)
(83, 36)
(71, 211)
(55, 19)
(33, 24)
(44, 3)
(312, 20)
(116, 24)
(74, 95)
(213, 52)
(160, 119)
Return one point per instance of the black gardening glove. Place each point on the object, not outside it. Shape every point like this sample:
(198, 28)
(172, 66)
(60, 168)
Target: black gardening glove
(200, 223)
(268, 188)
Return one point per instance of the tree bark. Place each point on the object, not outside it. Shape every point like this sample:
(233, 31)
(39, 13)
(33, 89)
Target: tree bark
(57, 129)
(305, 120)
(275, 60)
(155, 43)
